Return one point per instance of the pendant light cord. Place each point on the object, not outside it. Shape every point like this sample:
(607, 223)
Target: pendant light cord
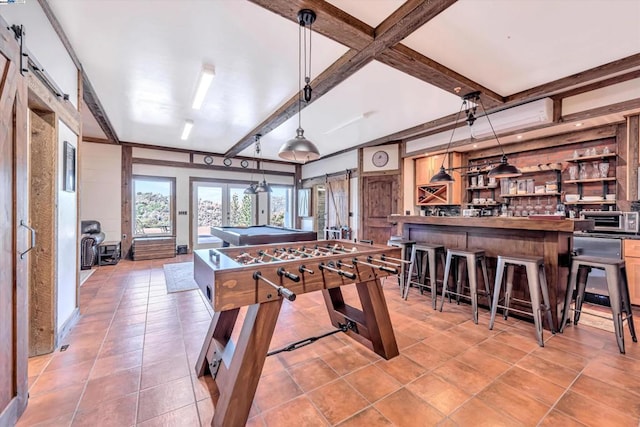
(490, 125)
(299, 73)
(452, 133)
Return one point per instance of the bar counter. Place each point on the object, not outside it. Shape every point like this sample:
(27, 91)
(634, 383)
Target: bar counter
(550, 239)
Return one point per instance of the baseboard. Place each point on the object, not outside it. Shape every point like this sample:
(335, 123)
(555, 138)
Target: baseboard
(67, 325)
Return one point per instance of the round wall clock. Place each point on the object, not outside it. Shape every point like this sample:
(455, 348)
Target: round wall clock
(244, 163)
(380, 158)
(227, 162)
(208, 160)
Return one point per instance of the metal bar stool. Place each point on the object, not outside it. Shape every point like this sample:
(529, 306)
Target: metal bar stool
(428, 253)
(405, 246)
(472, 257)
(617, 289)
(537, 281)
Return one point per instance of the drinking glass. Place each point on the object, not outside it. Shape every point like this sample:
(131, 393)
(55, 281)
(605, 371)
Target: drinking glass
(595, 173)
(548, 207)
(538, 206)
(573, 172)
(583, 171)
(604, 169)
(529, 207)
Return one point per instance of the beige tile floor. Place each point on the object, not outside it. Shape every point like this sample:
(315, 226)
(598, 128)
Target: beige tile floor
(131, 358)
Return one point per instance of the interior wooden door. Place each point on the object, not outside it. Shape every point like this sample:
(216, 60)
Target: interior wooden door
(380, 198)
(13, 236)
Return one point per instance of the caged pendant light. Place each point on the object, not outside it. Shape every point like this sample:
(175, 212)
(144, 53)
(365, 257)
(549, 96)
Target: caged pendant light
(299, 148)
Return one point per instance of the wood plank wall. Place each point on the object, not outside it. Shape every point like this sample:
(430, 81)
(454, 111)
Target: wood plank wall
(42, 281)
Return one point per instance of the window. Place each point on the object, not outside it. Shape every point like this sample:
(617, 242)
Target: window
(153, 206)
(281, 206)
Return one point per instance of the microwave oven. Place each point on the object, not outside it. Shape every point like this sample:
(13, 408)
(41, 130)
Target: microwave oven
(613, 221)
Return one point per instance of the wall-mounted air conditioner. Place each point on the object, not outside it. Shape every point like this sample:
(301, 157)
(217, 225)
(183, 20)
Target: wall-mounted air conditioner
(520, 117)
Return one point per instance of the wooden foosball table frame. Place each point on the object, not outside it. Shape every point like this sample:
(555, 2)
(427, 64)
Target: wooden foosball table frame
(259, 277)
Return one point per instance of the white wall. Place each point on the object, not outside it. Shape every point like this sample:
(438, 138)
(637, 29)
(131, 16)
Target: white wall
(43, 43)
(100, 199)
(67, 241)
(339, 163)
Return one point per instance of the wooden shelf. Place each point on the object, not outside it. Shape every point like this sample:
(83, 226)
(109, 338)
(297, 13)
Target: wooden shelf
(483, 204)
(433, 194)
(595, 202)
(530, 195)
(484, 187)
(591, 158)
(581, 181)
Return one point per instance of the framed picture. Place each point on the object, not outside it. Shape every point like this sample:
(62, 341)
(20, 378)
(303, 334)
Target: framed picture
(304, 202)
(69, 168)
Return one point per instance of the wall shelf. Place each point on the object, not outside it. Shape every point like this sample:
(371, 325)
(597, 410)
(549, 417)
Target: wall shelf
(581, 181)
(591, 158)
(530, 195)
(593, 202)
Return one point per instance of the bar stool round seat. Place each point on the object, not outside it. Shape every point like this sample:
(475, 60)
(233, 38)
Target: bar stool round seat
(428, 254)
(617, 290)
(405, 248)
(473, 258)
(538, 290)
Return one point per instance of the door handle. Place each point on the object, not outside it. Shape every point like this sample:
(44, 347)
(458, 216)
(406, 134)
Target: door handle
(33, 238)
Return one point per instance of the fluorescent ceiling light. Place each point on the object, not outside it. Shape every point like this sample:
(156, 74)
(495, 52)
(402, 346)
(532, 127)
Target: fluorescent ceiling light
(204, 82)
(188, 125)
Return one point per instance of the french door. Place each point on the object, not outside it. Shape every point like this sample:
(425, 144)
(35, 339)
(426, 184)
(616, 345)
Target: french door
(216, 204)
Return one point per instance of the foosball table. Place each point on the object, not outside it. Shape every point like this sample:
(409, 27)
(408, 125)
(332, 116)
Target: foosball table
(260, 277)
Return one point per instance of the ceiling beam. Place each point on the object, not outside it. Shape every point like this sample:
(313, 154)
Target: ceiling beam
(406, 19)
(577, 79)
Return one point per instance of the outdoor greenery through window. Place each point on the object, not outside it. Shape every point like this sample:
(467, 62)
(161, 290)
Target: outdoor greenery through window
(281, 206)
(153, 206)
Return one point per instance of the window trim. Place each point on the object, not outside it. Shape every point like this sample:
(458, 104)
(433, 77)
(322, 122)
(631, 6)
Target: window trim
(172, 204)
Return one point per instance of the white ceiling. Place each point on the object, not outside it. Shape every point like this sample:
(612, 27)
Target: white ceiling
(143, 58)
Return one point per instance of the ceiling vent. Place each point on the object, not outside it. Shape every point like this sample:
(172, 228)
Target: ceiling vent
(523, 116)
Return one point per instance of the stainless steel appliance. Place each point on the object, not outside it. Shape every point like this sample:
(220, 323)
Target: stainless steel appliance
(615, 221)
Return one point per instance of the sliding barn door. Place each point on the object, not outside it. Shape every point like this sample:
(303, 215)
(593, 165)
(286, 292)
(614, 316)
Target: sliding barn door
(13, 236)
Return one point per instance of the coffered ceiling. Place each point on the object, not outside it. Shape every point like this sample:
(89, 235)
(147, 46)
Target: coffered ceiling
(379, 67)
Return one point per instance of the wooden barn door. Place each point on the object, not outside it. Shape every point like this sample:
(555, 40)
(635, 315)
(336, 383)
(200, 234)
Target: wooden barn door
(380, 198)
(13, 236)
(337, 203)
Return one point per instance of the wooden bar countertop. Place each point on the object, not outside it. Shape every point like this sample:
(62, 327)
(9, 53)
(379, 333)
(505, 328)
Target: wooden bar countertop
(551, 239)
(514, 223)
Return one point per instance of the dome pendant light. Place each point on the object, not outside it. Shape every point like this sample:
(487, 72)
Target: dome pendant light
(299, 148)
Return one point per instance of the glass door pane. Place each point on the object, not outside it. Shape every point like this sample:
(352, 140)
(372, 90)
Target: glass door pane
(240, 210)
(216, 205)
(208, 210)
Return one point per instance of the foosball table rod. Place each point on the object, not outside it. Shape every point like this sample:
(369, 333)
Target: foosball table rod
(342, 273)
(282, 291)
(377, 266)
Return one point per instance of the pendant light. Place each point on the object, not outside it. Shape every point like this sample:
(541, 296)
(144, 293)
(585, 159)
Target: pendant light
(299, 148)
(262, 187)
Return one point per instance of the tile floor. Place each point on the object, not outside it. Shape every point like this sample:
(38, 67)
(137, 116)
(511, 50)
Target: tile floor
(131, 356)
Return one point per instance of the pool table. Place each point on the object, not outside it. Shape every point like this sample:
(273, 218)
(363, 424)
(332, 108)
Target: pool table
(260, 234)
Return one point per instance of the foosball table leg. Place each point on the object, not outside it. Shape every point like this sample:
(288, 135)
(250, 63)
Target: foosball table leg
(373, 324)
(236, 368)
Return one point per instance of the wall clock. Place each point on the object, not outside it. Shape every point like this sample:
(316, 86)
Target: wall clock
(380, 158)
(227, 162)
(208, 160)
(244, 163)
